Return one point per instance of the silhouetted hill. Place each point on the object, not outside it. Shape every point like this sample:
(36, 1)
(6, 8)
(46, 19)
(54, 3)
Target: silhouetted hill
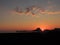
(47, 37)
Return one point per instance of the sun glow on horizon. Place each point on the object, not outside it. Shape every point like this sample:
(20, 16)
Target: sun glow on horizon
(44, 27)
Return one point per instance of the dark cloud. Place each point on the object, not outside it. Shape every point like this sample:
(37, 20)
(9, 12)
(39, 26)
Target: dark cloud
(19, 10)
(27, 10)
(30, 11)
(33, 10)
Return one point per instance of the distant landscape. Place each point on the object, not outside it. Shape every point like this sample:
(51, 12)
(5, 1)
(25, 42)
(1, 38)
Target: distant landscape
(47, 36)
(38, 30)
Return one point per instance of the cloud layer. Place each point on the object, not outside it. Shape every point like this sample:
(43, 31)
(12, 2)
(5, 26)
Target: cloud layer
(34, 10)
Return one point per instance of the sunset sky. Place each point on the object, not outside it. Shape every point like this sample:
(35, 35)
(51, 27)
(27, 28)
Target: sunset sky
(29, 14)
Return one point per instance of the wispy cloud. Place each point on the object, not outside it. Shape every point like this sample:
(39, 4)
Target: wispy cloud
(34, 10)
(52, 13)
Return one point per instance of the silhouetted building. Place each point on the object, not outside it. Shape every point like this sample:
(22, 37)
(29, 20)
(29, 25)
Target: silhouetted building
(57, 29)
(38, 30)
(46, 31)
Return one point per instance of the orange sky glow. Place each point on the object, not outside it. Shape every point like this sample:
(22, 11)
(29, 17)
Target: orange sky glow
(29, 14)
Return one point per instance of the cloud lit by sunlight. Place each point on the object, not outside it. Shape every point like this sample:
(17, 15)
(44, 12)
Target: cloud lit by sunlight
(34, 11)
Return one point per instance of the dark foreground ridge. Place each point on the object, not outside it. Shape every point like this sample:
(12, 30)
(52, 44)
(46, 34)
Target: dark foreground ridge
(47, 37)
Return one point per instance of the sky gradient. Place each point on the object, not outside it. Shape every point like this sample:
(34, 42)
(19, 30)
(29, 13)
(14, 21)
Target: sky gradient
(29, 14)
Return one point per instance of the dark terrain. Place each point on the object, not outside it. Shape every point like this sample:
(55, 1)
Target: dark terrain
(38, 37)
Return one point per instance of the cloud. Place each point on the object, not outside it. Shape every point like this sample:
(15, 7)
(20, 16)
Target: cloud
(18, 10)
(34, 10)
(51, 4)
(34, 7)
(47, 12)
(52, 13)
(27, 11)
